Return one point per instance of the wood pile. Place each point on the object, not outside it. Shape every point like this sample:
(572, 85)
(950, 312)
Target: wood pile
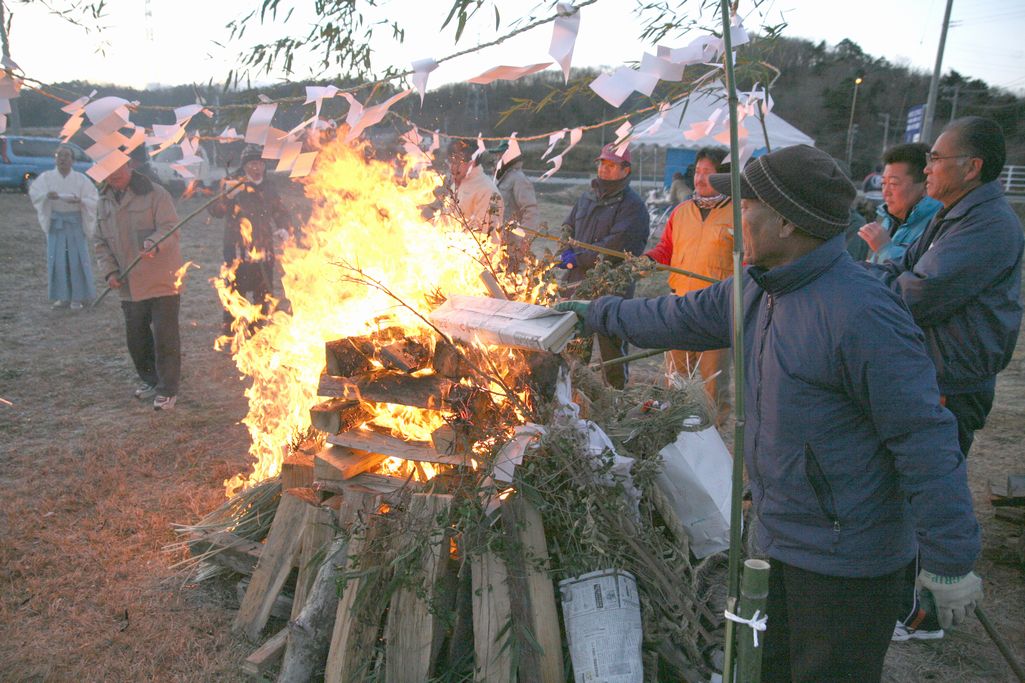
(399, 576)
(340, 521)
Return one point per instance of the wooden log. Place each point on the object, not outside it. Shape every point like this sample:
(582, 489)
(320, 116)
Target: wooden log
(1009, 492)
(318, 530)
(339, 415)
(451, 440)
(414, 632)
(460, 643)
(383, 444)
(447, 361)
(297, 471)
(281, 607)
(382, 386)
(388, 488)
(227, 550)
(309, 632)
(266, 656)
(532, 593)
(350, 356)
(338, 463)
(492, 613)
(279, 553)
(352, 637)
(405, 356)
(308, 495)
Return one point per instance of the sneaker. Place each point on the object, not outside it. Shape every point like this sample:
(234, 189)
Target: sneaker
(164, 402)
(76, 305)
(59, 304)
(146, 391)
(925, 631)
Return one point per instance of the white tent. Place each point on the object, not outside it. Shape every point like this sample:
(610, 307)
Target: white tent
(700, 108)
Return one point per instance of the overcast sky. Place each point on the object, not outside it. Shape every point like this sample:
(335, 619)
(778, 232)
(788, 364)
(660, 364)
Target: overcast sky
(177, 43)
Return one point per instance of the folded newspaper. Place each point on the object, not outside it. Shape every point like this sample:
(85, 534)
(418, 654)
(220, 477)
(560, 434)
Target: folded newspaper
(505, 323)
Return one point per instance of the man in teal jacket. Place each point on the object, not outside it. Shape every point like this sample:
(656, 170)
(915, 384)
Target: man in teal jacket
(906, 209)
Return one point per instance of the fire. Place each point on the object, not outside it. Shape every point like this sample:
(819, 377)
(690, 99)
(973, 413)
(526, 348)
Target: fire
(179, 275)
(366, 222)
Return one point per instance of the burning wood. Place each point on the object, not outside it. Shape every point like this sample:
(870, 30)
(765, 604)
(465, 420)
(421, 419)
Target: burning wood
(405, 356)
(339, 415)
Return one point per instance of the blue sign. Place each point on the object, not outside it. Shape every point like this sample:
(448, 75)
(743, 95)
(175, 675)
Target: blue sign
(913, 130)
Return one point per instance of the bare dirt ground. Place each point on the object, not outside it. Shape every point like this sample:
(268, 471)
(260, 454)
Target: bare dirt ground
(92, 480)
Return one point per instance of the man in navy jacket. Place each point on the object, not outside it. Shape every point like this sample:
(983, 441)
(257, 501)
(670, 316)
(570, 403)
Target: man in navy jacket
(853, 463)
(613, 216)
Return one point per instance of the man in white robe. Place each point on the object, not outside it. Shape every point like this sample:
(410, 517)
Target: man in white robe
(65, 202)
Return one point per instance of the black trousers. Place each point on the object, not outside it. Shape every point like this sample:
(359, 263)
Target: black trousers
(971, 411)
(255, 281)
(154, 341)
(823, 629)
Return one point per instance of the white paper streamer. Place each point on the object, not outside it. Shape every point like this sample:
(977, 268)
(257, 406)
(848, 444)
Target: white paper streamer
(564, 36)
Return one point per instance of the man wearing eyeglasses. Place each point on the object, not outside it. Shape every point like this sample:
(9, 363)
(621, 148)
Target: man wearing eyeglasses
(962, 282)
(962, 277)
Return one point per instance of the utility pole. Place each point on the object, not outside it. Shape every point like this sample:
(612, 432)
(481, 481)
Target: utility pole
(886, 131)
(15, 126)
(850, 124)
(934, 85)
(953, 102)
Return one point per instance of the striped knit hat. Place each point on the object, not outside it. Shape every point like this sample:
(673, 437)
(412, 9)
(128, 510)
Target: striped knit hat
(802, 184)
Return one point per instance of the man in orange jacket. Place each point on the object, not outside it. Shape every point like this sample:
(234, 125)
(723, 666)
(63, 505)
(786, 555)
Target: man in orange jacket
(699, 238)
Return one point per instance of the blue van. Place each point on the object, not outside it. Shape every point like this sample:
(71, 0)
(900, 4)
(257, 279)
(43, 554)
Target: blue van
(22, 158)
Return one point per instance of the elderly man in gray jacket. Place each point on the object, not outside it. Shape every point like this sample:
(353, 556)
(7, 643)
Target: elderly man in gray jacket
(853, 463)
(134, 213)
(962, 282)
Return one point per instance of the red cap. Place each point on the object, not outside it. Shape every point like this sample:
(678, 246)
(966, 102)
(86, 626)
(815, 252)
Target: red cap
(609, 152)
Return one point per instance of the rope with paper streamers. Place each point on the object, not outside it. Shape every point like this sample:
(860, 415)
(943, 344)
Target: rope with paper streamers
(170, 134)
(42, 90)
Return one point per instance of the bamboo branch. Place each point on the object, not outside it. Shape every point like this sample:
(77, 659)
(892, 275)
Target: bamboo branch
(611, 252)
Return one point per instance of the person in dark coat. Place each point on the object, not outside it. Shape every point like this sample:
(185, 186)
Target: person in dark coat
(255, 219)
(853, 463)
(961, 279)
(613, 216)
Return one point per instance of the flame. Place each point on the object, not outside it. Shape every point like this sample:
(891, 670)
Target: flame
(179, 275)
(366, 221)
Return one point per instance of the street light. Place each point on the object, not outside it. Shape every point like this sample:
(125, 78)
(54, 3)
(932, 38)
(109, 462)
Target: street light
(850, 124)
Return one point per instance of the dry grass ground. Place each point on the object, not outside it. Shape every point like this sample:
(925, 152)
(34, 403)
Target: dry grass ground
(92, 479)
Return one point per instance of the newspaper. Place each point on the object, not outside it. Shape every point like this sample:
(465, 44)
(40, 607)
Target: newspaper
(602, 612)
(505, 323)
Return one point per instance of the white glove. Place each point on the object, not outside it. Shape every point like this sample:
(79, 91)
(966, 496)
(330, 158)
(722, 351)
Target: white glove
(955, 596)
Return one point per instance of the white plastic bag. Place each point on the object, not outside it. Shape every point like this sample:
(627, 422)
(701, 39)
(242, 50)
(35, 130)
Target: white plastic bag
(696, 480)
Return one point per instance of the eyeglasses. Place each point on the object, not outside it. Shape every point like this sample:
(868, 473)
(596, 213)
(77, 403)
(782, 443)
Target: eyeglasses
(934, 157)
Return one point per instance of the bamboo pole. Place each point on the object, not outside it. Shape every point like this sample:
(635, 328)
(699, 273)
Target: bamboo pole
(1001, 644)
(754, 593)
(123, 274)
(631, 358)
(612, 252)
(738, 350)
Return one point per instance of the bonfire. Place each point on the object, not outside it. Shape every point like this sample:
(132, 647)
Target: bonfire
(433, 487)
